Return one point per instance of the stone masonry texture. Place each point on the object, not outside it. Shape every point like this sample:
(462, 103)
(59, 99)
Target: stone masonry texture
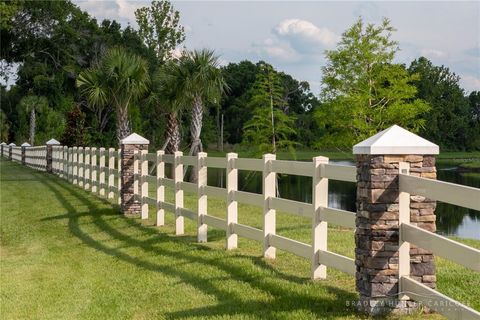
(23, 155)
(377, 232)
(49, 157)
(128, 204)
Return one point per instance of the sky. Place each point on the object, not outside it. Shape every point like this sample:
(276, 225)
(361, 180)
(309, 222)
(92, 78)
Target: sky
(293, 36)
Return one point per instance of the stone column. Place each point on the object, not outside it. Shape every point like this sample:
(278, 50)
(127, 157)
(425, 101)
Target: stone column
(10, 150)
(50, 143)
(2, 146)
(129, 146)
(377, 221)
(24, 146)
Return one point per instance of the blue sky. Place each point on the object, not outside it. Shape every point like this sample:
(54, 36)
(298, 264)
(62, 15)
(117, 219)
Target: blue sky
(293, 36)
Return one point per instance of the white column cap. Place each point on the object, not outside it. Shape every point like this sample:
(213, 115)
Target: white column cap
(52, 142)
(25, 144)
(12, 144)
(134, 139)
(395, 140)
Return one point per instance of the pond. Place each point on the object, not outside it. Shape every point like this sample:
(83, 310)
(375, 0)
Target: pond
(451, 220)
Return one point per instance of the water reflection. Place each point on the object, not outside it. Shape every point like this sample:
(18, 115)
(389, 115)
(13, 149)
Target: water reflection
(451, 220)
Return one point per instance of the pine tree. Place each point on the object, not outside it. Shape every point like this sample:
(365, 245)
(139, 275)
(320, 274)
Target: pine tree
(269, 129)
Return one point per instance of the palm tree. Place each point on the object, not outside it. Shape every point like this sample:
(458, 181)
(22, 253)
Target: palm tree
(200, 81)
(120, 78)
(166, 94)
(32, 104)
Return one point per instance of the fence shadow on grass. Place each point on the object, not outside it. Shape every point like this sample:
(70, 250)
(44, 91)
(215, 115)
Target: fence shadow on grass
(230, 302)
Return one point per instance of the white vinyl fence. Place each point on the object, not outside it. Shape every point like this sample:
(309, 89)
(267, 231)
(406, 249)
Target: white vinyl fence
(469, 257)
(98, 170)
(36, 157)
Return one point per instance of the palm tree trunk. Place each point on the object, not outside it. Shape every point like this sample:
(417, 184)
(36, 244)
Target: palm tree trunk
(32, 126)
(123, 124)
(172, 133)
(195, 131)
(196, 126)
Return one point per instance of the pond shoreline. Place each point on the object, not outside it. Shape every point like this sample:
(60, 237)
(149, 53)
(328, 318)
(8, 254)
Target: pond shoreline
(469, 167)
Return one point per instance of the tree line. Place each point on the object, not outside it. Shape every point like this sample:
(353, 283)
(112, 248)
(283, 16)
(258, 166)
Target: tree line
(86, 82)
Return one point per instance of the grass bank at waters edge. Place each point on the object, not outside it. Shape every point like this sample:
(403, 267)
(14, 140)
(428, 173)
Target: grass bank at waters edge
(473, 166)
(68, 254)
(443, 157)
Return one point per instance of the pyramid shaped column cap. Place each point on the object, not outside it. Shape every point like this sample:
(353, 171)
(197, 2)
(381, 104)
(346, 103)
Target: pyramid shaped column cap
(134, 139)
(395, 140)
(3, 143)
(25, 144)
(52, 142)
(12, 144)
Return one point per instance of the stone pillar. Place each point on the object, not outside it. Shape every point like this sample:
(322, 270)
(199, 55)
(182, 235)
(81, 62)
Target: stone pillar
(50, 143)
(377, 222)
(10, 150)
(24, 146)
(2, 147)
(129, 146)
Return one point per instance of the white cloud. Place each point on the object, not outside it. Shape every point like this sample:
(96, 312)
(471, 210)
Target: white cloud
(295, 41)
(369, 11)
(121, 10)
(126, 9)
(178, 52)
(304, 36)
(433, 53)
(470, 83)
(272, 48)
(100, 9)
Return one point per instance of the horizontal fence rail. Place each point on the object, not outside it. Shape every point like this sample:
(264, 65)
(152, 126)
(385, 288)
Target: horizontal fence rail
(437, 301)
(455, 194)
(444, 247)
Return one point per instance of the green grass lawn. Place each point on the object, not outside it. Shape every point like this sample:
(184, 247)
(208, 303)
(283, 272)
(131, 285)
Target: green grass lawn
(66, 254)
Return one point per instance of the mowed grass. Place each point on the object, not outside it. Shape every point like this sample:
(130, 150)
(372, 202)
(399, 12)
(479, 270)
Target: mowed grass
(67, 254)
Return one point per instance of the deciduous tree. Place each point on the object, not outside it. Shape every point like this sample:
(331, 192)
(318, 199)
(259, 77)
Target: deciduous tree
(450, 119)
(363, 90)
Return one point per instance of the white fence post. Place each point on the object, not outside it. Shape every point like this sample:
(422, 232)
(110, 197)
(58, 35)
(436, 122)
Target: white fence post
(178, 178)
(201, 168)
(269, 215)
(119, 180)
(81, 167)
(70, 164)
(136, 173)
(143, 179)
(65, 163)
(232, 206)
(101, 179)
(160, 188)
(88, 169)
(319, 227)
(111, 167)
(94, 170)
(404, 246)
(75, 165)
